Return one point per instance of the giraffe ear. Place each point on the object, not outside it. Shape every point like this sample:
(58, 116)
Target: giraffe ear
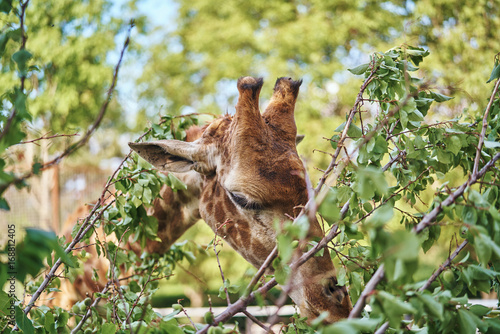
(174, 156)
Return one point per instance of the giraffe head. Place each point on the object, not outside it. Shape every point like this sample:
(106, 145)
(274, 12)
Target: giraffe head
(253, 178)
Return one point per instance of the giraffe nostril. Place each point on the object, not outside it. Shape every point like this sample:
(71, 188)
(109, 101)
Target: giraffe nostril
(331, 286)
(335, 291)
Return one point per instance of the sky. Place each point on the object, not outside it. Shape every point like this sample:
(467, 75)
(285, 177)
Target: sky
(160, 16)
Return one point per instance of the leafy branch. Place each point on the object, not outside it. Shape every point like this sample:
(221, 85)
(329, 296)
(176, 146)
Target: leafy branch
(95, 213)
(431, 216)
(75, 146)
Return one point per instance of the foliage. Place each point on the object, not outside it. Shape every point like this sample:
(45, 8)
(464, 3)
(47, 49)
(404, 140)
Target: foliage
(53, 76)
(398, 146)
(398, 156)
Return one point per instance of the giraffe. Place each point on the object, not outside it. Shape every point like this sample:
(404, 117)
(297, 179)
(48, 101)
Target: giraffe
(244, 174)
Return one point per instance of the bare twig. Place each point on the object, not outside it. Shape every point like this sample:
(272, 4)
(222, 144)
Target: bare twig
(116, 281)
(220, 268)
(483, 130)
(261, 271)
(138, 298)
(258, 322)
(382, 328)
(45, 137)
(187, 316)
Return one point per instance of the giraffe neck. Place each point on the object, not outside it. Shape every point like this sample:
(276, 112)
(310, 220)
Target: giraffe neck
(176, 211)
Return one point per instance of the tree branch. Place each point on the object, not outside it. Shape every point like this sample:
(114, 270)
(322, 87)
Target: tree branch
(426, 221)
(89, 311)
(368, 291)
(49, 137)
(443, 266)
(87, 225)
(74, 147)
(483, 130)
(343, 136)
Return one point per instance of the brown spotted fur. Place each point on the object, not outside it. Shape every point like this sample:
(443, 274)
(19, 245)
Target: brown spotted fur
(254, 156)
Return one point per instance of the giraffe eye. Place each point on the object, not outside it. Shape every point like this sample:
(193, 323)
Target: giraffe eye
(244, 203)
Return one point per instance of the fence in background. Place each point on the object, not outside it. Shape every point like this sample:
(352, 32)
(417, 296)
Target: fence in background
(51, 198)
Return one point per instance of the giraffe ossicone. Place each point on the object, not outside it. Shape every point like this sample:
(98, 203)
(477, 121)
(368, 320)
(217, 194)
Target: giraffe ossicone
(243, 174)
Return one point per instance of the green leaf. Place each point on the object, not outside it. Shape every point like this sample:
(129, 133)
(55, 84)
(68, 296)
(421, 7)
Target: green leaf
(21, 57)
(285, 247)
(108, 328)
(382, 215)
(454, 144)
(394, 308)
(495, 74)
(136, 201)
(49, 323)
(354, 131)
(419, 142)
(5, 6)
(171, 326)
(175, 183)
(440, 97)
(4, 302)
(23, 322)
(480, 310)
(4, 205)
(370, 181)
(467, 322)
(329, 211)
(403, 116)
(469, 215)
(281, 273)
(485, 247)
(354, 326)
(147, 196)
(443, 156)
(341, 276)
(4, 38)
(36, 168)
(434, 307)
(334, 141)
(491, 144)
(358, 70)
(35, 248)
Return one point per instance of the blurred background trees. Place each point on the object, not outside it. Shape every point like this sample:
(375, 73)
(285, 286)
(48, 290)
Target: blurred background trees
(188, 57)
(194, 66)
